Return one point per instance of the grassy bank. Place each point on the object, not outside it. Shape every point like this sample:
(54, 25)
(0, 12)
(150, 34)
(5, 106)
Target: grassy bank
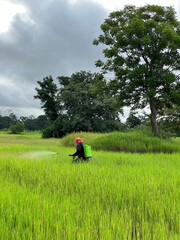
(125, 142)
(115, 196)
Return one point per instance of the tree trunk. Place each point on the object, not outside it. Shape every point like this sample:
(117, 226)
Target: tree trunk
(154, 124)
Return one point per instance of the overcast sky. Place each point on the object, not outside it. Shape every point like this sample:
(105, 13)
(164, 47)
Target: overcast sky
(39, 38)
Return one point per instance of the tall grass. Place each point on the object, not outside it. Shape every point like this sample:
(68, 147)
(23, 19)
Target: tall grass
(125, 142)
(114, 196)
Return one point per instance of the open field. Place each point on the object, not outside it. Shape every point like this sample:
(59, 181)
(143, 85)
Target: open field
(116, 195)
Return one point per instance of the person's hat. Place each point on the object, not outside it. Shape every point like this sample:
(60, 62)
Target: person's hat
(78, 139)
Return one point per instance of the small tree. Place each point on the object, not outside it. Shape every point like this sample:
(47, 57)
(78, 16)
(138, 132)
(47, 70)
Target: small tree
(17, 128)
(143, 51)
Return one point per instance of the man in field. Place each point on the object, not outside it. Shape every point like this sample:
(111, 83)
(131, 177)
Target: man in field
(79, 151)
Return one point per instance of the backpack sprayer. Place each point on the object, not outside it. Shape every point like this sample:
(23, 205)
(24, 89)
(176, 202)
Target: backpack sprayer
(87, 154)
(87, 151)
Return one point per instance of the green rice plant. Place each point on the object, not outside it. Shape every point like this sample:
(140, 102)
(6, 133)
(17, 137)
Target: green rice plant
(114, 196)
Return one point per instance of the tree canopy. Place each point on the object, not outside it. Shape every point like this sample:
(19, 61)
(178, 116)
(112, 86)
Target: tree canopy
(79, 104)
(143, 51)
(47, 93)
(88, 108)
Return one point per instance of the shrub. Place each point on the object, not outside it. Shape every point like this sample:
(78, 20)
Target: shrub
(48, 132)
(17, 128)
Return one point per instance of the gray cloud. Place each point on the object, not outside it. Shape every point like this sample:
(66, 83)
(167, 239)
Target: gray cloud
(57, 41)
(54, 38)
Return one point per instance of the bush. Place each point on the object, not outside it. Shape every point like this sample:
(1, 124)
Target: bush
(17, 128)
(48, 132)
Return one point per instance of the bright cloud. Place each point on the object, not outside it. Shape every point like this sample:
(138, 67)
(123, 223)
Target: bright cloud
(7, 12)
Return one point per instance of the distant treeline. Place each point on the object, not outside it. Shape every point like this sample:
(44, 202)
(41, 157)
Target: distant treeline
(20, 124)
(169, 127)
(41, 123)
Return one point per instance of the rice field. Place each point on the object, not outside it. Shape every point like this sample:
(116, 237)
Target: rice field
(116, 195)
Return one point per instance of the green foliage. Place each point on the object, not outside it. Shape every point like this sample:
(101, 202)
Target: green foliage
(170, 122)
(87, 108)
(134, 142)
(132, 121)
(87, 137)
(47, 132)
(4, 122)
(115, 196)
(30, 123)
(83, 103)
(47, 93)
(7, 121)
(17, 128)
(142, 49)
(59, 128)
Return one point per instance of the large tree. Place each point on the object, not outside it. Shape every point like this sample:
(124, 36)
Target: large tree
(143, 51)
(78, 104)
(88, 108)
